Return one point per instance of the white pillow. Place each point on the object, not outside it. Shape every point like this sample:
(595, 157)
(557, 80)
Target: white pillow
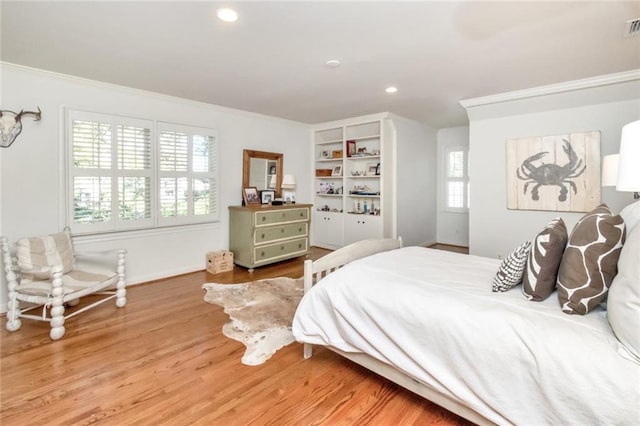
(631, 215)
(623, 304)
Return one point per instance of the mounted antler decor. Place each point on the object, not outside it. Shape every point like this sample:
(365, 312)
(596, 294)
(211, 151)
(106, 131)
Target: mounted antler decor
(11, 124)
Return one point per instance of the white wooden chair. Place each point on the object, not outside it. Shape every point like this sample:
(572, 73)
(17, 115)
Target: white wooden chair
(46, 273)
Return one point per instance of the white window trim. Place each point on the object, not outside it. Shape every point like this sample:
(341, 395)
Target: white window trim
(191, 218)
(143, 225)
(446, 179)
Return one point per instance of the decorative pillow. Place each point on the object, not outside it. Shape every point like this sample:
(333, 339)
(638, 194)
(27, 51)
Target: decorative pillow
(623, 304)
(590, 260)
(511, 269)
(45, 251)
(542, 266)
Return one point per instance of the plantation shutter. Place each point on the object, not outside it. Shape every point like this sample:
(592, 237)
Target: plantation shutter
(188, 174)
(456, 186)
(110, 173)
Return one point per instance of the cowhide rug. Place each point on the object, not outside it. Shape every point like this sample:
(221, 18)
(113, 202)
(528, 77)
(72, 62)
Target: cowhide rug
(261, 314)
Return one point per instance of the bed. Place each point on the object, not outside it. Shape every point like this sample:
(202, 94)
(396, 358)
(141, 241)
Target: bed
(427, 320)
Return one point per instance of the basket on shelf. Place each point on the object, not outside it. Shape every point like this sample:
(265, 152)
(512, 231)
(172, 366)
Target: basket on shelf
(323, 172)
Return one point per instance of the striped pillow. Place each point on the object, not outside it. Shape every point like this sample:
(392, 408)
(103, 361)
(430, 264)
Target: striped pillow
(45, 251)
(541, 273)
(512, 268)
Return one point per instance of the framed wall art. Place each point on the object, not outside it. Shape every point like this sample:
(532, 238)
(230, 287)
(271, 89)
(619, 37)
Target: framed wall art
(554, 173)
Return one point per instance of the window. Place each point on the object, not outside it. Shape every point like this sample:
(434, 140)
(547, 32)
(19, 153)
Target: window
(115, 182)
(456, 180)
(187, 174)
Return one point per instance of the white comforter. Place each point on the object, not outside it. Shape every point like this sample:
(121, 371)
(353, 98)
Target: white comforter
(432, 315)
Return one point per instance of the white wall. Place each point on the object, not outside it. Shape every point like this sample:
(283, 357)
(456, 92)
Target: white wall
(32, 176)
(453, 227)
(494, 230)
(416, 162)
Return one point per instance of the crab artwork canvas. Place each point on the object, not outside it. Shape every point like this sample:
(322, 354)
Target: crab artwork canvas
(556, 173)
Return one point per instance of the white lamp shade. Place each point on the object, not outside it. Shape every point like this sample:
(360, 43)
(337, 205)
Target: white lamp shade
(288, 182)
(629, 162)
(610, 169)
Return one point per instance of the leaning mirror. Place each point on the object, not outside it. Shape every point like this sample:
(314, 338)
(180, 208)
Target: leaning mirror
(263, 170)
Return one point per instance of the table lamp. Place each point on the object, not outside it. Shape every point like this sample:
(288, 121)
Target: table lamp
(628, 163)
(288, 189)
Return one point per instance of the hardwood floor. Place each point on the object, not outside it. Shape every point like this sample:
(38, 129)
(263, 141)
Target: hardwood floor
(162, 359)
(450, 247)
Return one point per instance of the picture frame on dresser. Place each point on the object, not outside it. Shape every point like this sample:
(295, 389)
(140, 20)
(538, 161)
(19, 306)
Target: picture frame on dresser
(250, 196)
(337, 171)
(267, 196)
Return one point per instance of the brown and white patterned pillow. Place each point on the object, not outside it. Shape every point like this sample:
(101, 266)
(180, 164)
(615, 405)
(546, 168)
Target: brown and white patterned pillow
(45, 251)
(590, 260)
(511, 269)
(541, 271)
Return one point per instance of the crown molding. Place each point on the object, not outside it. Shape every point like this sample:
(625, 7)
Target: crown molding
(568, 86)
(130, 90)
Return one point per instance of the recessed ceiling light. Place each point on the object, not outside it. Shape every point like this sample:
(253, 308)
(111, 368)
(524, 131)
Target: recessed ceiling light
(333, 63)
(391, 89)
(227, 15)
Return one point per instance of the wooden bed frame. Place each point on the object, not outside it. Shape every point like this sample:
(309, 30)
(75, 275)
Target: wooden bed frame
(314, 271)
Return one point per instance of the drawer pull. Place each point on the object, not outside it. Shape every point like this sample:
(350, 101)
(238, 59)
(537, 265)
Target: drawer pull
(262, 254)
(262, 236)
(282, 231)
(281, 247)
(264, 218)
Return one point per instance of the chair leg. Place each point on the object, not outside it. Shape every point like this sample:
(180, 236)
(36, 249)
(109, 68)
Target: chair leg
(13, 304)
(13, 312)
(121, 290)
(57, 307)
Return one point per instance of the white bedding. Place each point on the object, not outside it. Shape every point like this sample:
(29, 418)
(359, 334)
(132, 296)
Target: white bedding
(432, 315)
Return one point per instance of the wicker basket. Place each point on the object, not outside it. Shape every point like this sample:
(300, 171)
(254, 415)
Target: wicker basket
(323, 172)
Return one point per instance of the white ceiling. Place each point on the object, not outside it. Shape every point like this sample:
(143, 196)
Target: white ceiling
(272, 61)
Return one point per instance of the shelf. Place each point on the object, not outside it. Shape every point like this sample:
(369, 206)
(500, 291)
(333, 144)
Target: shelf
(326, 160)
(328, 195)
(329, 142)
(328, 177)
(363, 157)
(364, 177)
(361, 138)
(363, 196)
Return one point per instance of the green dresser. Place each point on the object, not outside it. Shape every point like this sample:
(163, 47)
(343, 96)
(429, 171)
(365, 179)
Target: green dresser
(266, 234)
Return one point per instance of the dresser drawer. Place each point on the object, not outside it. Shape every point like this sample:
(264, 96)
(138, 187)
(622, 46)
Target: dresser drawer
(280, 216)
(277, 250)
(274, 233)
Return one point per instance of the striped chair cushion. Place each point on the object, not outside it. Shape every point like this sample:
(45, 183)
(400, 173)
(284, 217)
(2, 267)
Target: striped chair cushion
(512, 268)
(71, 282)
(43, 252)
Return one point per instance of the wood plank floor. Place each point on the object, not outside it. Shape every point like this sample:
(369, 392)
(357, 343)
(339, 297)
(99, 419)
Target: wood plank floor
(162, 360)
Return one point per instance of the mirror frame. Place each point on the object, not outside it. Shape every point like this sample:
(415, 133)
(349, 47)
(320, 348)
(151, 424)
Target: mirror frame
(248, 154)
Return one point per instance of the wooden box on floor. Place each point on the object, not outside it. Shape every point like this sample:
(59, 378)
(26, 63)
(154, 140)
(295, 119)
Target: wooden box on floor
(219, 261)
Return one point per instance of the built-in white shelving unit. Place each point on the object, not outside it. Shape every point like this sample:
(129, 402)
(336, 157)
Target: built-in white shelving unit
(348, 200)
